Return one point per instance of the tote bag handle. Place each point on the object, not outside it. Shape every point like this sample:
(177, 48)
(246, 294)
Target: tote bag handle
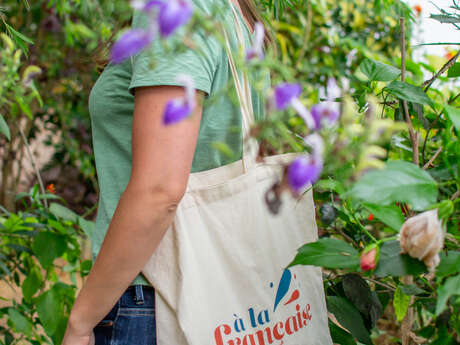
(243, 91)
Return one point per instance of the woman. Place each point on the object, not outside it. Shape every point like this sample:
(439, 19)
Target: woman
(143, 167)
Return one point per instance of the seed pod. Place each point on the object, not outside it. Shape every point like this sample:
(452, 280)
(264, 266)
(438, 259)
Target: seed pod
(328, 213)
(422, 237)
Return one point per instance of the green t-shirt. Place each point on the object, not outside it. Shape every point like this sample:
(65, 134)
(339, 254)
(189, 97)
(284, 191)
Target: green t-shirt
(111, 105)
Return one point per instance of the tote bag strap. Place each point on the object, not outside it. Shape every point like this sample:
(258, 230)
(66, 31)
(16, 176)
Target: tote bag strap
(243, 91)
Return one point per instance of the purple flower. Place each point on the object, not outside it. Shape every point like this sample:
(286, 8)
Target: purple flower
(256, 51)
(302, 171)
(288, 95)
(129, 44)
(328, 111)
(285, 93)
(176, 110)
(179, 108)
(173, 14)
(307, 169)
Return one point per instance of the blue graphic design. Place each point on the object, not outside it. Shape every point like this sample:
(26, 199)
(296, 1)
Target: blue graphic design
(283, 287)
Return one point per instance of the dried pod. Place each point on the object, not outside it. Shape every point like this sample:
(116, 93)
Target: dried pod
(328, 213)
(422, 237)
(273, 198)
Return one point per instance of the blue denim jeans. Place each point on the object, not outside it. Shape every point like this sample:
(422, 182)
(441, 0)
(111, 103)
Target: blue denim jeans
(131, 320)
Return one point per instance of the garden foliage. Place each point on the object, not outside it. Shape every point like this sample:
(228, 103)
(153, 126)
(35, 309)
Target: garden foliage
(392, 154)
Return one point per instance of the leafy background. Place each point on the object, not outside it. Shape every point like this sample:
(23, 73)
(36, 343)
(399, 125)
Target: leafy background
(45, 230)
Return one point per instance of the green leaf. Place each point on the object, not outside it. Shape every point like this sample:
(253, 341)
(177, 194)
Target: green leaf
(412, 289)
(400, 303)
(379, 71)
(340, 336)
(358, 292)
(24, 107)
(393, 263)
(18, 34)
(63, 212)
(327, 252)
(399, 181)
(445, 18)
(60, 330)
(329, 184)
(454, 115)
(4, 268)
(449, 288)
(85, 267)
(450, 264)
(223, 148)
(20, 322)
(4, 129)
(32, 283)
(48, 246)
(454, 71)
(408, 92)
(48, 309)
(349, 317)
(87, 226)
(390, 215)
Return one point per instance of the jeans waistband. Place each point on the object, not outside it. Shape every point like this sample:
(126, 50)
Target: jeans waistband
(138, 295)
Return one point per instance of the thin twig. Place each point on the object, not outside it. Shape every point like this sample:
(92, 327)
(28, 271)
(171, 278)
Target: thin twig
(433, 124)
(380, 283)
(455, 195)
(427, 165)
(454, 99)
(408, 320)
(428, 134)
(412, 134)
(34, 165)
(444, 68)
(306, 40)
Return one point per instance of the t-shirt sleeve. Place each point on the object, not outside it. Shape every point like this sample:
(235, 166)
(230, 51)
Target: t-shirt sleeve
(163, 60)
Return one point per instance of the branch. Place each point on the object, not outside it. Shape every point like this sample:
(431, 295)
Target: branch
(439, 44)
(427, 165)
(34, 164)
(413, 135)
(454, 99)
(444, 68)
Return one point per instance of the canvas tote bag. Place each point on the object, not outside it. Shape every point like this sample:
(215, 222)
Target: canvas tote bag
(219, 272)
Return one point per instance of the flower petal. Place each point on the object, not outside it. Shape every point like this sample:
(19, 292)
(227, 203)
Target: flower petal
(129, 44)
(285, 92)
(256, 51)
(325, 112)
(302, 171)
(174, 14)
(176, 110)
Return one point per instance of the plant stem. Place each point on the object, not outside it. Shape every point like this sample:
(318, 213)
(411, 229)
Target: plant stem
(380, 283)
(413, 135)
(427, 84)
(436, 154)
(34, 165)
(406, 326)
(408, 320)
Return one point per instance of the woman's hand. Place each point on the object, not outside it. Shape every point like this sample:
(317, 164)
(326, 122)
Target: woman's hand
(73, 336)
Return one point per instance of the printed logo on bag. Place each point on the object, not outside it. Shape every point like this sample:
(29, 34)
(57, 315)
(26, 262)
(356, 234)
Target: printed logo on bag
(262, 327)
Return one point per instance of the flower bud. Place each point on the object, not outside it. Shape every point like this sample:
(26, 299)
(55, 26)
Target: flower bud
(8, 42)
(369, 258)
(422, 237)
(29, 73)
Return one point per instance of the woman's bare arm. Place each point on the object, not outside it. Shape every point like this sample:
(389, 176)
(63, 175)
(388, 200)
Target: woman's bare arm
(161, 163)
